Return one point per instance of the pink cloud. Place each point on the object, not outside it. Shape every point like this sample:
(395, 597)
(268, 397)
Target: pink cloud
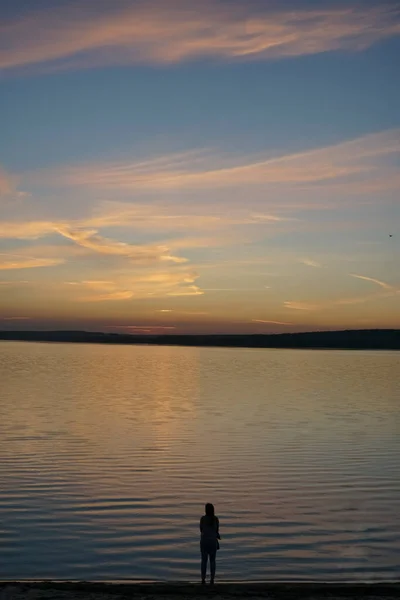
(362, 159)
(81, 35)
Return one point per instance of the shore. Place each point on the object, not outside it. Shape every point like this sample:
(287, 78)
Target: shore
(355, 339)
(59, 590)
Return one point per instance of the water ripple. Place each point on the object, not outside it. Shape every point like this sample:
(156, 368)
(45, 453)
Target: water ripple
(107, 456)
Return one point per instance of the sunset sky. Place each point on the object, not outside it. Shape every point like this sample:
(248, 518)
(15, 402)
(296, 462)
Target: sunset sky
(199, 166)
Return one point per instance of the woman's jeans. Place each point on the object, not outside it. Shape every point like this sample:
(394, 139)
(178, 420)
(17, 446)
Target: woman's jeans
(208, 549)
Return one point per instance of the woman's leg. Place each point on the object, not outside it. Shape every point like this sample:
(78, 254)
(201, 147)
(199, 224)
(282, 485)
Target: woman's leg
(213, 556)
(204, 559)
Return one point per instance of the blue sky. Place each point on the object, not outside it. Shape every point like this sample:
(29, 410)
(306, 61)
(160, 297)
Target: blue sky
(182, 167)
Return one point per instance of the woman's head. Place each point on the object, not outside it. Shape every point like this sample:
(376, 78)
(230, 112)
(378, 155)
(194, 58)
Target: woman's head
(210, 512)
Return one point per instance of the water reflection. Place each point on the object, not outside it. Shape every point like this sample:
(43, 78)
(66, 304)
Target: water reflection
(108, 454)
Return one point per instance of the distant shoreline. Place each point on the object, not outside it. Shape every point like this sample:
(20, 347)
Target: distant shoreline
(355, 339)
(69, 590)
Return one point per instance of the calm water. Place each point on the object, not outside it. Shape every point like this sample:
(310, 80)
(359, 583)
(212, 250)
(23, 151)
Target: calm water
(107, 455)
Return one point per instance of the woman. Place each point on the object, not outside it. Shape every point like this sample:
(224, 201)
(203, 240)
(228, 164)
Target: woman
(209, 531)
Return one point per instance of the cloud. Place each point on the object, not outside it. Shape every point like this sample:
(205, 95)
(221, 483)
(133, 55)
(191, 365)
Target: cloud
(137, 286)
(301, 305)
(61, 250)
(184, 312)
(191, 290)
(310, 263)
(82, 35)
(141, 327)
(12, 261)
(15, 318)
(181, 216)
(353, 162)
(109, 296)
(144, 253)
(7, 183)
(9, 194)
(389, 292)
(360, 159)
(153, 216)
(268, 218)
(271, 322)
(339, 302)
(26, 230)
(100, 291)
(382, 284)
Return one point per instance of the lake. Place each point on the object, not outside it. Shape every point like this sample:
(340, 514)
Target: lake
(108, 454)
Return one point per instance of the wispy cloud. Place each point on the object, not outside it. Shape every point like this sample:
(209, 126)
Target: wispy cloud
(361, 157)
(183, 312)
(99, 291)
(7, 183)
(191, 290)
(351, 162)
(183, 216)
(142, 328)
(293, 305)
(138, 253)
(15, 319)
(137, 286)
(389, 291)
(11, 261)
(153, 216)
(271, 322)
(83, 35)
(382, 284)
(108, 296)
(25, 230)
(310, 263)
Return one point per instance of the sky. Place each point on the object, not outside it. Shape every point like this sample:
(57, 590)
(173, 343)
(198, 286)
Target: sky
(199, 167)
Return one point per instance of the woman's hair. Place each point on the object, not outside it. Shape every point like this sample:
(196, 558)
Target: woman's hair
(210, 512)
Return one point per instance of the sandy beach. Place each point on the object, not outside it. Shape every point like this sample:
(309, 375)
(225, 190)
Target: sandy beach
(52, 590)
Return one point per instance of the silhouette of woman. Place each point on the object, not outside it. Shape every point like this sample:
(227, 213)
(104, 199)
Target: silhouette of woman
(209, 532)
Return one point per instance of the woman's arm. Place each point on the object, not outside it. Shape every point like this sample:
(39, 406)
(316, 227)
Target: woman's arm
(218, 535)
(201, 524)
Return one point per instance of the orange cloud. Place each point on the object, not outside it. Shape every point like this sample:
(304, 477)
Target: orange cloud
(154, 216)
(12, 261)
(26, 229)
(81, 35)
(109, 296)
(144, 253)
(100, 291)
(145, 285)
